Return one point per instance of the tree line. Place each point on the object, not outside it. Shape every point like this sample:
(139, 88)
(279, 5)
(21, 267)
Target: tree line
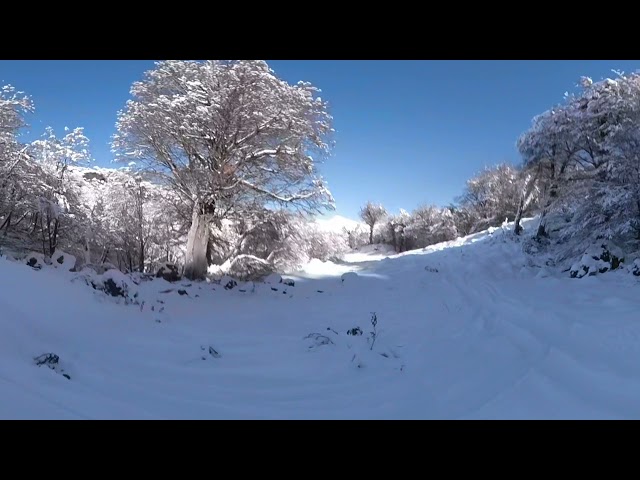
(580, 172)
(222, 164)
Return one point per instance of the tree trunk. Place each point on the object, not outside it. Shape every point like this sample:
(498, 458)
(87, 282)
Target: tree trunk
(394, 240)
(518, 228)
(53, 238)
(542, 231)
(44, 248)
(196, 265)
(87, 252)
(105, 255)
(141, 257)
(371, 235)
(7, 222)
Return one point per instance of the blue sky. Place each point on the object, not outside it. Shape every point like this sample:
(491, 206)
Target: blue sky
(408, 132)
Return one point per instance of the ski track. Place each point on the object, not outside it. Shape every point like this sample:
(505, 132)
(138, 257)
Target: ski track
(482, 338)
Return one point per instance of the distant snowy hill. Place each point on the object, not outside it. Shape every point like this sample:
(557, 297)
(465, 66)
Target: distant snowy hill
(337, 223)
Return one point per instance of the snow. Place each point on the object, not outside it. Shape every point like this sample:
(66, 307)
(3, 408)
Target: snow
(469, 329)
(274, 278)
(337, 223)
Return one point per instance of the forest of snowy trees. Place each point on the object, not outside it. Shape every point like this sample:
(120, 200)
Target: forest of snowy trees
(219, 167)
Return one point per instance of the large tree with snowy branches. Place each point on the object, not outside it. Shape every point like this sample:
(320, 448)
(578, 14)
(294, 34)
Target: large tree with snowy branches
(229, 137)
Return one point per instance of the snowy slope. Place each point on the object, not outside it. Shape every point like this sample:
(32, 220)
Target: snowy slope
(337, 224)
(468, 329)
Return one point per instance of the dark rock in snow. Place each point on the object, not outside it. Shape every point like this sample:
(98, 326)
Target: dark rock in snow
(635, 268)
(169, 272)
(289, 282)
(33, 263)
(597, 260)
(111, 288)
(182, 292)
(228, 283)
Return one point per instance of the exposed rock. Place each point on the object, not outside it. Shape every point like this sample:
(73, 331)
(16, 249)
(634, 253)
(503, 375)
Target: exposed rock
(597, 260)
(63, 260)
(228, 283)
(169, 272)
(635, 268)
(249, 268)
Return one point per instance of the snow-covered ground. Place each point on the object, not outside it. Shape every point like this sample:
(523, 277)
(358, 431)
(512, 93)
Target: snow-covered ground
(469, 329)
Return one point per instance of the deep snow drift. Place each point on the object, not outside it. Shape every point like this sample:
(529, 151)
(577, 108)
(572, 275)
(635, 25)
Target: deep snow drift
(468, 329)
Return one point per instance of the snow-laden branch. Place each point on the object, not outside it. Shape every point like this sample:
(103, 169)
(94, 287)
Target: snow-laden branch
(279, 198)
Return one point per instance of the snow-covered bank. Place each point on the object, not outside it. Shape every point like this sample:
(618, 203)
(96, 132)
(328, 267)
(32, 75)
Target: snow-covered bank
(469, 329)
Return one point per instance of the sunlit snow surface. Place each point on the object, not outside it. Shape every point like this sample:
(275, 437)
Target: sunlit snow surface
(483, 337)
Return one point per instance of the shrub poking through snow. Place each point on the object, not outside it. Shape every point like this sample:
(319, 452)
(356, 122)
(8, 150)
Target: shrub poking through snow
(374, 332)
(317, 340)
(52, 361)
(597, 260)
(356, 331)
(48, 359)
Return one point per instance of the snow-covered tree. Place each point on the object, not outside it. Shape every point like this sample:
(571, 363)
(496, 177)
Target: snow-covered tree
(372, 214)
(581, 149)
(395, 230)
(228, 137)
(15, 171)
(492, 196)
(429, 225)
(463, 219)
(56, 201)
(356, 236)
(528, 187)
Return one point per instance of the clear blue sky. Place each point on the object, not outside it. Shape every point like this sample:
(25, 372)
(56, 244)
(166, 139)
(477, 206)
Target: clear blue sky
(408, 132)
